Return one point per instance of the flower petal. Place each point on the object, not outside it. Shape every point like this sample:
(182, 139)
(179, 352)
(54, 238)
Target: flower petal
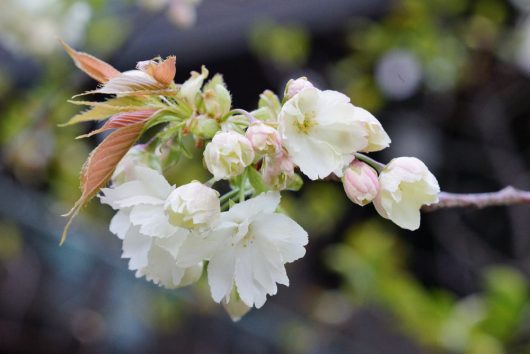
(289, 237)
(136, 247)
(221, 273)
(120, 223)
(263, 203)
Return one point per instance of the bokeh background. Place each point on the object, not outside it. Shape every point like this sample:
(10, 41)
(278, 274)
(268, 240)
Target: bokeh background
(449, 80)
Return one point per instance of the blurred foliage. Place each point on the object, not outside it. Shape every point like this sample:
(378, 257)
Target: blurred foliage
(34, 149)
(417, 48)
(372, 263)
(319, 207)
(417, 44)
(11, 241)
(284, 45)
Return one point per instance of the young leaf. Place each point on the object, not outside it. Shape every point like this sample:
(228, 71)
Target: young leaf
(256, 181)
(101, 164)
(125, 102)
(92, 66)
(165, 71)
(103, 110)
(122, 120)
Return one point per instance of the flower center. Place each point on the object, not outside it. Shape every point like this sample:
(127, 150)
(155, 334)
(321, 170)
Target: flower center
(308, 122)
(244, 235)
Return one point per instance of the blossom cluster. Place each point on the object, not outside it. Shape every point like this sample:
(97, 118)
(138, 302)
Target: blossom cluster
(171, 234)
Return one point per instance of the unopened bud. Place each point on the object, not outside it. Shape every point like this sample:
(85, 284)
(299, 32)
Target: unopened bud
(264, 139)
(278, 173)
(204, 127)
(192, 87)
(293, 87)
(217, 101)
(193, 205)
(228, 154)
(269, 107)
(360, 183)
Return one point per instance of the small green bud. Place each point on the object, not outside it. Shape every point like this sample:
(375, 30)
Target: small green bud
(217, 79)
(204, 127)
(294, 182)
(217, 101)
(264, 114)
(190, 89)
(269, 100)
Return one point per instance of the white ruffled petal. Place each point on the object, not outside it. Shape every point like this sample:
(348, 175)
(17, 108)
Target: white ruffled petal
(152, 220)
(120, 224)
(249, 289)
(289, 237)
(162, 269)
(221, 273)
(136, 247)
(263, 203)
(127, 195)
(202, 246)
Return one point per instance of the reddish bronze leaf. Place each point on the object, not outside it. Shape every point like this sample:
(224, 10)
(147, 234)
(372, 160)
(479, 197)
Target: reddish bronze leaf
(165, 71)
(101, 164)
(92, 66)
(122, 120)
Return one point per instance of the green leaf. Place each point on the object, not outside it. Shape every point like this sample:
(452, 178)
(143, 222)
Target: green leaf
(256, 181)
(162, 117)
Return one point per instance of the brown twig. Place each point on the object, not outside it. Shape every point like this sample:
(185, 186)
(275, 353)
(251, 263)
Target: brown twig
(506, 196)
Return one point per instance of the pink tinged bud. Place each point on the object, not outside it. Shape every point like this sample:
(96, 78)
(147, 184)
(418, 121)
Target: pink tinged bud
(264, 139)
(295, 86)
(360, 183)
(278, 173)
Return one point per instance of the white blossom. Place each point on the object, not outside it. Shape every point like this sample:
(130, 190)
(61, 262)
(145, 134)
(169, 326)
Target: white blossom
(248, 248)
(321, 132)
(228, 154)
(193, 205)
(405, 185)
(150, 242)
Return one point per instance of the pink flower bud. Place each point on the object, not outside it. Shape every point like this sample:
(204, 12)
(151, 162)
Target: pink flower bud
(360, 183)
(265, 139)
(278, 171)
(295, 86)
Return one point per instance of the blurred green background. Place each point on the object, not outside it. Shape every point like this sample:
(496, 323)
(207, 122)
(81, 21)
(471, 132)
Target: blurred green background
(449, 80)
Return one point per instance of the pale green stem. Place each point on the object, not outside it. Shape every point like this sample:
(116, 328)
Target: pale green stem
(242, 186)
(378, 166)
(210, 182)
(250, 117)
(229, 195)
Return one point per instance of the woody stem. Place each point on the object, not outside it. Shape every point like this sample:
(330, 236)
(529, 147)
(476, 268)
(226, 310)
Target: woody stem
(506, 196)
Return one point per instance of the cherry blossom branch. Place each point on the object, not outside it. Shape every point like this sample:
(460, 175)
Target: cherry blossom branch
(506, 196)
